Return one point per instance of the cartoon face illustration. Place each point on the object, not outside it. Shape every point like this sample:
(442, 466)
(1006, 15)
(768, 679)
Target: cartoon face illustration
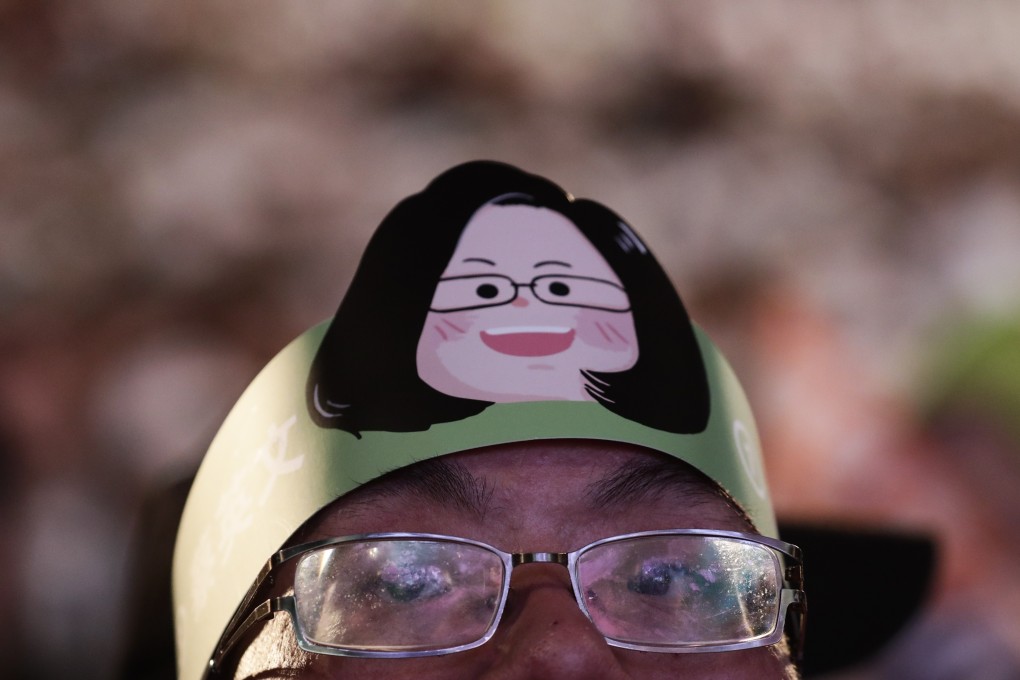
(493, 285)
(525, 305)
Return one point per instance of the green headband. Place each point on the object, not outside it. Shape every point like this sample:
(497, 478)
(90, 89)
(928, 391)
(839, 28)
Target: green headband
(297, 439)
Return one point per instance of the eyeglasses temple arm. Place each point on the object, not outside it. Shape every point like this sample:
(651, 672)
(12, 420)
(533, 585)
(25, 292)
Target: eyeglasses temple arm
(265, 576)
(229, 638)
(795, 578)
(264, 611)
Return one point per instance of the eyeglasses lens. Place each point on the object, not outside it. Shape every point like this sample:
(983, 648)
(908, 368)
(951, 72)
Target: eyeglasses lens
(397, 595)
(681, 590)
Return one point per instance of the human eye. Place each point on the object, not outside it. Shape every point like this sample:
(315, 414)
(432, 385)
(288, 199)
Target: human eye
(661, 578)
(407, 583)
(651, 579)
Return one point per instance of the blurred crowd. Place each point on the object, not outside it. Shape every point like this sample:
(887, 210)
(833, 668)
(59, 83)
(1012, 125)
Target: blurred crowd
(834, 187)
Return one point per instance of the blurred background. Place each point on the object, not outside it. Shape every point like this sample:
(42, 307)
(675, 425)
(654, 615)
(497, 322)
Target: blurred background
(833, 186)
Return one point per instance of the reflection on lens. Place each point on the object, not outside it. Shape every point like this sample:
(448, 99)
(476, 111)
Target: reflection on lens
(681, 590)
(397, 594)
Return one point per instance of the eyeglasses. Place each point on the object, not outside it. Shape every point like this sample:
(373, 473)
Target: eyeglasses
(411, 595)
(460, 293)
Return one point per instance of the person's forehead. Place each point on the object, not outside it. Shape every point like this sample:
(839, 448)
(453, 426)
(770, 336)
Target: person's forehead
(531, 486)
(519, 237)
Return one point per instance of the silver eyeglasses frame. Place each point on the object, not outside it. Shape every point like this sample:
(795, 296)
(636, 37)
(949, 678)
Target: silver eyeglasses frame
(791, 596)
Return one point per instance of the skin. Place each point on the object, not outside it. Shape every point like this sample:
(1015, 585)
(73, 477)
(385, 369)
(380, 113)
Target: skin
(525, 497)
(523, 242)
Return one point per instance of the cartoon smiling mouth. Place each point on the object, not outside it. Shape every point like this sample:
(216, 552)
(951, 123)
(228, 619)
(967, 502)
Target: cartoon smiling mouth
(529, 341)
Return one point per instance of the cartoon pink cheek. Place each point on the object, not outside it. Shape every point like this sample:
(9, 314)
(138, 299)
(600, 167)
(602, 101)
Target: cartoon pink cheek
(446, 327)
(611, 331)
(444, 352)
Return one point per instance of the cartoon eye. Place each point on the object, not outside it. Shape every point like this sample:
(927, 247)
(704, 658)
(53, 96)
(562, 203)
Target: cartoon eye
(559, 289)
(487, 291)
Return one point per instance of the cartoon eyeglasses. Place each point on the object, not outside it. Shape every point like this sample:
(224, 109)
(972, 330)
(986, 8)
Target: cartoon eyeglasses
(460, 293)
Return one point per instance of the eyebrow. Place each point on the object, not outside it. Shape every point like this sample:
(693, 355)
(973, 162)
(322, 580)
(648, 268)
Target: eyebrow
(632, 484)
(544, 263)
(443, 482)
(450, 484)
(483, 260)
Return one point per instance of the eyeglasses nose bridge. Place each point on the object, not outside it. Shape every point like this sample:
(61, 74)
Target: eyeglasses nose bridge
(517, 287)
(518, 559)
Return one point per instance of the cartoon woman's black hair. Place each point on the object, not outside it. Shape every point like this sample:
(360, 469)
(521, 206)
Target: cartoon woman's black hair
(365, 374)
